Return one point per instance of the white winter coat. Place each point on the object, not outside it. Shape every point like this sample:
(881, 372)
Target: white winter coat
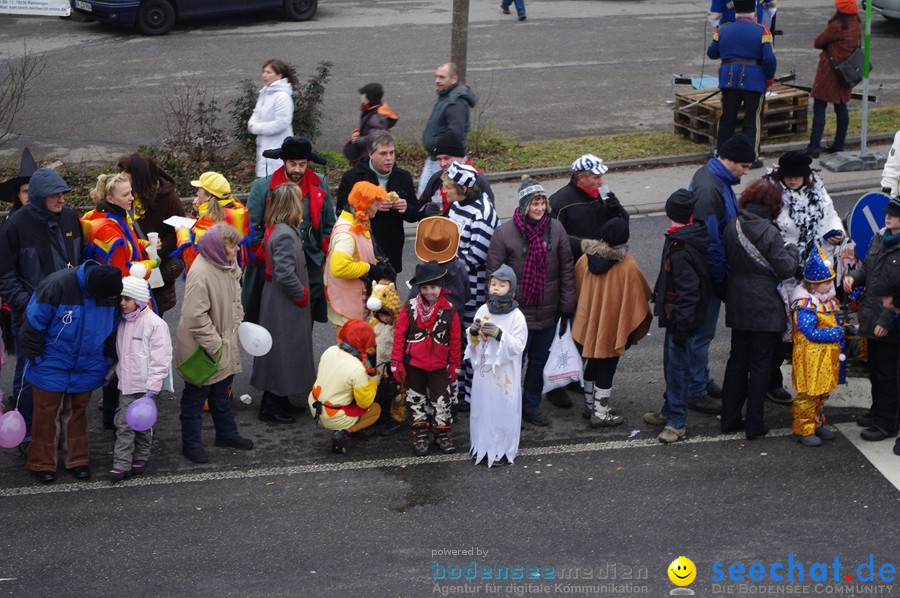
(144, 348)
(890, 176)
(271, 123)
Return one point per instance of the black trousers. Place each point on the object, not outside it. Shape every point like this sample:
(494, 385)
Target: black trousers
(753, 108)
(747, 379)
(884, 358)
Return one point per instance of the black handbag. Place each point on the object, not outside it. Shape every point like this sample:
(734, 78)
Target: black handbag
(849, 72)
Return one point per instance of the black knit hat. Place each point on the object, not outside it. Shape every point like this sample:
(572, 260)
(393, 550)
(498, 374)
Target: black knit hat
(680, 206)
(104, 281)
(893, 207)
(448, 143)
(794, 164)
(294, 148)
(738, 148)
(615, 232)
(373, 92)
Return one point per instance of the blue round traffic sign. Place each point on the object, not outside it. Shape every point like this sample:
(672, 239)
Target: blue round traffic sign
(865, 219)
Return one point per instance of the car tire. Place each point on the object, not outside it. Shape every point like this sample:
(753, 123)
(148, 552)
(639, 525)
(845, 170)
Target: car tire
(155, 17)
(300, 10)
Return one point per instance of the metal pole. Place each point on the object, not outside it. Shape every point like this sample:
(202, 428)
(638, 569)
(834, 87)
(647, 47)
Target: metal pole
(459, 36)
(865, 107)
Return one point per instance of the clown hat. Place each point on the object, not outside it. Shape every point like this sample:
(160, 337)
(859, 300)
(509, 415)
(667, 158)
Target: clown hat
(818, 268)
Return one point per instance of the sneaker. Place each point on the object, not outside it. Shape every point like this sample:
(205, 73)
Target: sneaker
(339, 441)
(824, 433)
(504, 9)
(238, 442)
(560, 398)
(670, 434)
(117, 475)
(195, 454)
(705, 404)
(780, 395)
(138, 467)
(537, 418)
(713, 389)
(522, 17)
(606, 421)
(656, 419)
(811, 440)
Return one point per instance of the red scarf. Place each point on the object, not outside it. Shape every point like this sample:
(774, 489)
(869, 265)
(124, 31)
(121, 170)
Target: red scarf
(594, 193)
(309, 181)
(675, 227)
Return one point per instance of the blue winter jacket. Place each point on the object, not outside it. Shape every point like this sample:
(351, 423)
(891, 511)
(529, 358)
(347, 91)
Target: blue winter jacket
(69, 335)
(748, 61)
(716, 204)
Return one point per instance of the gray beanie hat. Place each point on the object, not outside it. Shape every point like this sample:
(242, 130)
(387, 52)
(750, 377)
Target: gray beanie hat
(527, 191)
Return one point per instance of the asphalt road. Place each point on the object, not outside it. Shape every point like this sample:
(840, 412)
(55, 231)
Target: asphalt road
(597, 511)
(575, 67)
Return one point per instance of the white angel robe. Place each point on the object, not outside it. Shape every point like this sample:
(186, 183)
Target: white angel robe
(495, 421)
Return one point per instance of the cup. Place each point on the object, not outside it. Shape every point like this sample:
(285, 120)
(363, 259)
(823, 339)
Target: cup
(604, 192)
(152, 244)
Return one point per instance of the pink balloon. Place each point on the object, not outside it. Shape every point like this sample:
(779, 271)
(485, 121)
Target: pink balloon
(12, 429)
(141, 414)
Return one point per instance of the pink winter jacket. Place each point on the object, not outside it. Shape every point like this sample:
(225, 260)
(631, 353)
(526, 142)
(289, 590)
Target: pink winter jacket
(144, 347)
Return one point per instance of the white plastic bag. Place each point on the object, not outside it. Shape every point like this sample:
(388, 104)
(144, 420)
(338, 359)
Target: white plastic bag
(564, 362)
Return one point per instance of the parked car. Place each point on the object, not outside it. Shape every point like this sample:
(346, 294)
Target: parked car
(889, 9)
(157, 17)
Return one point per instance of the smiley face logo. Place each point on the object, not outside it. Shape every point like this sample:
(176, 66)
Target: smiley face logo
(682, 571)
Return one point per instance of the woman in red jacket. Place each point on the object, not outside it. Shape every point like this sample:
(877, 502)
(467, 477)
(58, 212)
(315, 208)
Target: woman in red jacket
(839, 39)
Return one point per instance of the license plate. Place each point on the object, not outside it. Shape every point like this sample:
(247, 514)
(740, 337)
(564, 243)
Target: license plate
(85, 6)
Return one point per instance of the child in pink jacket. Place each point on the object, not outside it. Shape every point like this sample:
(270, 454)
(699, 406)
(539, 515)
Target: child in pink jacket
(144, 349)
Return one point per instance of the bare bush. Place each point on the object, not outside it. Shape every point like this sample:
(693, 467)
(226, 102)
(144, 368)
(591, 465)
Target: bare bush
(17, 76)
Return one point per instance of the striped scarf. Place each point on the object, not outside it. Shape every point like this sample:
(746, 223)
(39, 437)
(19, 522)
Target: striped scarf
(531, 287)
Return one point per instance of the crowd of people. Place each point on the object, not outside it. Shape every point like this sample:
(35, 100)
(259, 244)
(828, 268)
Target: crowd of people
(487, 298)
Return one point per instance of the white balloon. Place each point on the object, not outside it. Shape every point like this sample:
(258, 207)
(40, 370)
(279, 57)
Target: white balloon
(255, 339)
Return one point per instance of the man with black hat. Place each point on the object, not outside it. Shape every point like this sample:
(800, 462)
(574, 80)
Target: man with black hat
(42, 237)
(375, 115)
(447, 150)
(315, 229)
(716, 204)
(69, 338)
(402, 205)
(747, 69)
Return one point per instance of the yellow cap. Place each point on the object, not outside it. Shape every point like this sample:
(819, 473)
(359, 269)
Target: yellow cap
(214, 183)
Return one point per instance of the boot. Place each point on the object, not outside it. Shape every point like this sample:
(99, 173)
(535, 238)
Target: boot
(602, 418)
(443, 440)
(420, 444)
(588, 399)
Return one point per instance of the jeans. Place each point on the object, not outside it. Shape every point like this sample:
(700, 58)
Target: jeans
(699, 349)
(537, 350)
(520, 5)
(431, 166)
(747, 379)
(677, 370)
(818, 126)
(219, 407)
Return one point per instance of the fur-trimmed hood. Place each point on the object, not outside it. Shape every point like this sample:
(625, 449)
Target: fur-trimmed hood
(601, 257)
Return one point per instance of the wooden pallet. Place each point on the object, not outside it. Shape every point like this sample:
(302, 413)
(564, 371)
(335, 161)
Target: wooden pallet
(785, 114)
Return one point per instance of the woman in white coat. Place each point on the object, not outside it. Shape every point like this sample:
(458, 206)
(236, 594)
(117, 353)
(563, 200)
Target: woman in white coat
(271, 119)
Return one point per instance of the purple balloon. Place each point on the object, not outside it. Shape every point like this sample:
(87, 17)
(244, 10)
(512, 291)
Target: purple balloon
(12, 429)
(141, 414)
